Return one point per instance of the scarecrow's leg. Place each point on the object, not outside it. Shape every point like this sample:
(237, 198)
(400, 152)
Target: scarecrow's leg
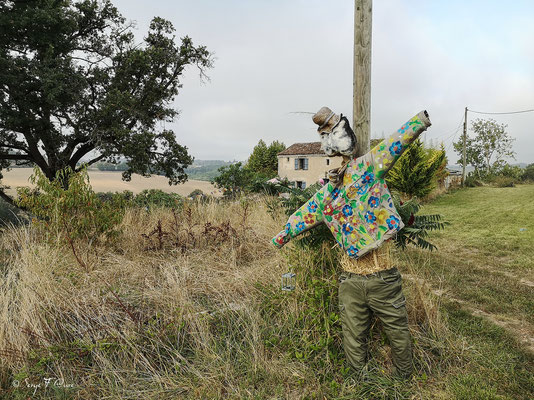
(355, 317)
(389, 304)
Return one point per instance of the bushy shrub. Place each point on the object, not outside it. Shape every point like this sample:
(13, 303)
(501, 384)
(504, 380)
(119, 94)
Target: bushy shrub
(417, 171)
(127, 196)
(260, 184)
(514, 172)
(75, 212)
(195, 193)
(416, 227)
(504, 181)
(528, 173)
(157, 198)
(471, 180)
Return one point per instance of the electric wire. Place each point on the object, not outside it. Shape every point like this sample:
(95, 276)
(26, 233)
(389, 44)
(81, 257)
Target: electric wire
(501, 113)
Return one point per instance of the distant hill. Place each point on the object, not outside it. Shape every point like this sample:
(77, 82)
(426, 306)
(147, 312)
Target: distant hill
(201, 170)
(205, 170)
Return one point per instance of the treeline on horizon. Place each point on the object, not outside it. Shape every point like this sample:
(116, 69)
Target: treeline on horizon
(201, 170)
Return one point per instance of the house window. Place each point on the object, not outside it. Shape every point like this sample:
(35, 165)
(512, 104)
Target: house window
(287, 159)
(301, 163)
(301, 184)
(327, 161)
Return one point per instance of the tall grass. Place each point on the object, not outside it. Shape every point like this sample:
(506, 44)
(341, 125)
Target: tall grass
(193, 309)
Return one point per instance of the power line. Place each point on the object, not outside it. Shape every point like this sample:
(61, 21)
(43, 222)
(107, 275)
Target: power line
(455, 130)
(510, 112)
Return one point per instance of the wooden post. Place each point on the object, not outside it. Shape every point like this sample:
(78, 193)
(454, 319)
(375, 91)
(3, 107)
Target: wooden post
(362, 74)
(463, 147)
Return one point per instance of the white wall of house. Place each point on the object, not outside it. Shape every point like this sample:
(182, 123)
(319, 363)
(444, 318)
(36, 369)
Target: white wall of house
(317, 164)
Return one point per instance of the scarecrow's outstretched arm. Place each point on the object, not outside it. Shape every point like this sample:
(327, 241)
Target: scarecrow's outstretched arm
(306, 217)
(387, 152)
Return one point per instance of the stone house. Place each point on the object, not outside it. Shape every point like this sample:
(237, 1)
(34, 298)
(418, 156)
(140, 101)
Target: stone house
(305, 163)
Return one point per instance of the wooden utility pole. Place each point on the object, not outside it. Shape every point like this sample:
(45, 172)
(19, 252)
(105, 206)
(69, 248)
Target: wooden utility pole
(463, 147)
(362, 74)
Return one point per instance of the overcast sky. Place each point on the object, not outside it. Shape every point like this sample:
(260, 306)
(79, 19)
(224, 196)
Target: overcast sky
(277, 57)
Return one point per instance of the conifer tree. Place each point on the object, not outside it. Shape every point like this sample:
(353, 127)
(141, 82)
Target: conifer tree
(414, 174)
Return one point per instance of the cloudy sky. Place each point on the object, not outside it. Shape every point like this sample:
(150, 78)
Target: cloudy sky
(277, 57)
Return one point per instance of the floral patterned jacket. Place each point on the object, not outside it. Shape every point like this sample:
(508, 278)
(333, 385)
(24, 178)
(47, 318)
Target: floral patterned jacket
(359, 210)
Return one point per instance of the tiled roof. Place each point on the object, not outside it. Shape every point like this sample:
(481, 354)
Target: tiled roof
(312, 148)
(303, 148)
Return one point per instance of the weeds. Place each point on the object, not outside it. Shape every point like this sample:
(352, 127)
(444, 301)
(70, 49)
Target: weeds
(185, 233)
(201, 315)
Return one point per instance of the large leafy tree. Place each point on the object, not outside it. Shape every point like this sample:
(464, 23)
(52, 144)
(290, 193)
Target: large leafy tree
(74, 83)
(489, 147)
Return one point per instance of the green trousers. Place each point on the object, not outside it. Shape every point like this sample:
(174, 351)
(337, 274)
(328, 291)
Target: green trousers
(360, 296)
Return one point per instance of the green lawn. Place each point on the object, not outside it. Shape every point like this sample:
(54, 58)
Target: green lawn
(497, 223)
(484, 266)
(486, 250)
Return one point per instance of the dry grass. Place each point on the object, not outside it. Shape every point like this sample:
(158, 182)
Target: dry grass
(47, 299)
(190, 320)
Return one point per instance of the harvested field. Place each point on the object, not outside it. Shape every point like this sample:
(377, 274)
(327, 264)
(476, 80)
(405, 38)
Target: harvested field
(104, 181)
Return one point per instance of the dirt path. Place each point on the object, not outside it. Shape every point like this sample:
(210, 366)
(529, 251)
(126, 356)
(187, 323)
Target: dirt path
(521, 330)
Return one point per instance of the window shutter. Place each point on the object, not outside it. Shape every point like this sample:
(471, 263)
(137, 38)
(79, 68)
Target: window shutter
(303, 185)
(305, 163)
(296, 163)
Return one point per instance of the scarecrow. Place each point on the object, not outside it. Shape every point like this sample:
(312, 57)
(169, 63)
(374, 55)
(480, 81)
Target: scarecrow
(357, 207)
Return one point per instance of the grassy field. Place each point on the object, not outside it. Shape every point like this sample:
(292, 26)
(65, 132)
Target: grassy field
(484, 273)
(104, 181)
(204, 316)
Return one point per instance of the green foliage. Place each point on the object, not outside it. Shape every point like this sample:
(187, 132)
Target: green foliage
(489, 148)
(105, 166)
(146, 199)
(416, 172)
(260, 184)
(528, 173)
(416, 227)
(512, 171)
(503, 181)
(233, 179)
(503, 175)
(74, 78)
(205, 170)
(314, 334)
(157, 198)
(264, 159)
(471, 180)
(196, 192)
(73, 213)
(261, 166)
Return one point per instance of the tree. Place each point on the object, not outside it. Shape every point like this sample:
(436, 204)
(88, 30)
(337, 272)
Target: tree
(233, 179)
(74, 83)
(416, 172)
(264, 159)
(489, 148)
(528, 174)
